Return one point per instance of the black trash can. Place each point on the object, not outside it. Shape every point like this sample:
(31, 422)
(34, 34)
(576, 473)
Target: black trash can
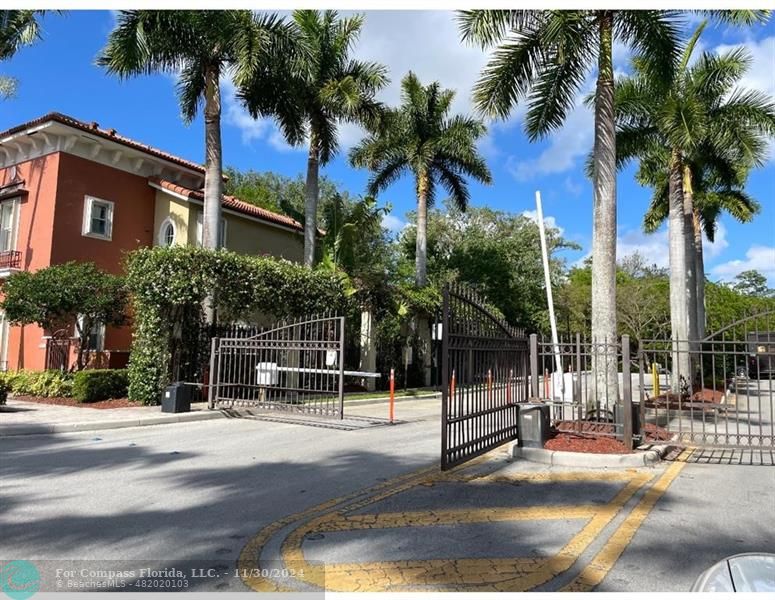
(177, 398)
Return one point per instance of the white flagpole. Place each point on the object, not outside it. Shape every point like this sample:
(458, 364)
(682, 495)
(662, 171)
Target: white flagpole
(548, 282)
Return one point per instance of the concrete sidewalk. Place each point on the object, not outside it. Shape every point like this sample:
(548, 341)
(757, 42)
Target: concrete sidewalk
(29, 418)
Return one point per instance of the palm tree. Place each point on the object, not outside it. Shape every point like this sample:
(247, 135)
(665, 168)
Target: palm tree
(422, 139)
(312, 95)
(18, 28)
(695, 129)
(717, 187)
(200, 47)
(545, 56)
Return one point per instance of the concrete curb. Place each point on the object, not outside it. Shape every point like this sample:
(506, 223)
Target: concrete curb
(557, 458)
(10, 430)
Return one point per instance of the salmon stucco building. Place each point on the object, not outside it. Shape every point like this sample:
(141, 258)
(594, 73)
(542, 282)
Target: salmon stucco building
(73, 191)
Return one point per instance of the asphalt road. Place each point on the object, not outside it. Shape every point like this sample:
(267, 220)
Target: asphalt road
(200, 491)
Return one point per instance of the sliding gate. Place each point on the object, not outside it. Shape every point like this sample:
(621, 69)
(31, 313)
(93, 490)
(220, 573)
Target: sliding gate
(295, 367)
(484, 377)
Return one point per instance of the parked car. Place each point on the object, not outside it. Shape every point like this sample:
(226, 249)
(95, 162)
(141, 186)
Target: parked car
(761, 355)
(749, 572)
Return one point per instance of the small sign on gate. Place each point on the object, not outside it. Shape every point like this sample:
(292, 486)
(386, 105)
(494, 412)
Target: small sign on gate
(266, 373)
(331, 358)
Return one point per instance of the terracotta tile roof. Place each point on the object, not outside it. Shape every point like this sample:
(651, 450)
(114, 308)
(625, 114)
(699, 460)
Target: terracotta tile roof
(108, 134)
(232, 203)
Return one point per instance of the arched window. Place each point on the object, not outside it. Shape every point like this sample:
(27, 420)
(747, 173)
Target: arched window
(167, 233)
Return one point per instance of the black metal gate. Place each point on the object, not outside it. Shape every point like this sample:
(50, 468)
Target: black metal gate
(484, 376)
(296, 367)
(718, 392)
(58, 348)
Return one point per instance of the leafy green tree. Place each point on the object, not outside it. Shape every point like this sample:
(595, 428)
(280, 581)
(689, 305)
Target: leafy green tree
(280, 193)
(310, 96)
(71, 296)
(753, 283)
(18, 28)
(200, 47)
(544, 56)
(422, 139)
(717, 186)
(494, 252)
(697, 135)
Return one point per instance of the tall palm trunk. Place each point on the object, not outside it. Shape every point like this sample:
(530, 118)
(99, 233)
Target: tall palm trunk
(311, 192)
(691, 270)
(211, 219)
(699, 269)
(605, 380)
(421, 248)
(679, 299)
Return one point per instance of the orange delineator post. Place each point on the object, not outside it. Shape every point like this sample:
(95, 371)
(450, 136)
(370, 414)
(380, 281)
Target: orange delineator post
(452, 386)
(546, 384)
(489, 385)
(392, 393)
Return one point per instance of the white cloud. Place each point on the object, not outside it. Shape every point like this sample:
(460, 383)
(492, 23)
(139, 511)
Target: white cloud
(572, 186)
(425, 42)
(760, 75)
(653, 247)
(393, 223)
(758, 257)
(566, 146)
(549, 221)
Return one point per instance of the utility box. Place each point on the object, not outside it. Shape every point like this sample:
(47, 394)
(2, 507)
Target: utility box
(534, 423)
(619, 417)
(177, 398)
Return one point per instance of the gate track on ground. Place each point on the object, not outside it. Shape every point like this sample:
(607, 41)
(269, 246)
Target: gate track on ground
(462, 574)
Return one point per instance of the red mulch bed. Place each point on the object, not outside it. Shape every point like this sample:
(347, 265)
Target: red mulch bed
(671, 400)
(571, 442)
(654, 433)
(116, 403)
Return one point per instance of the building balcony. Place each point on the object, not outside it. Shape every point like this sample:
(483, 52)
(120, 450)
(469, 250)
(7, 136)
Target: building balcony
(10, 262)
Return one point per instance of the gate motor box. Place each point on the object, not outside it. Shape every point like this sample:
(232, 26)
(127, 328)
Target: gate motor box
(534, 425)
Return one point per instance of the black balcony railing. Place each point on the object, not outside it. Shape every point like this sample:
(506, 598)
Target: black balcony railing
(10, 259)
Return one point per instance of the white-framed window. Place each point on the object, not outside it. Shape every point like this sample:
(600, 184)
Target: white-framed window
(200, 229)
(97, 218)
(167, 233)
(9, 216)
(94, 339)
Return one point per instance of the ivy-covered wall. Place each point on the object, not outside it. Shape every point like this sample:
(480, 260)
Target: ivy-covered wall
(169, 285)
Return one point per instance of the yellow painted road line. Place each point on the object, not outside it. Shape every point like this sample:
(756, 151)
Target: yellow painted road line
(429, 518)
(472, 574)
(591, 576)
(248, 562)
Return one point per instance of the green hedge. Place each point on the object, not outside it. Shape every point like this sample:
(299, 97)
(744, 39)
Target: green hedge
(38, 383)
(169, 285)
(100, 384)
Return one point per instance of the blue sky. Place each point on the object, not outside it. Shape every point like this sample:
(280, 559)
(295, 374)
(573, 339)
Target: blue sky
(59, 74)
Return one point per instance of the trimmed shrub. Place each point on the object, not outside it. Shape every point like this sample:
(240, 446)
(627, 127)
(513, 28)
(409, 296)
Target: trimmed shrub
(38, 383)
(94, 385)
(168, 286)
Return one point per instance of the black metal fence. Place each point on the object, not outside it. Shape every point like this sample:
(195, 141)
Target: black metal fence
(717, 392)
(588, 385)
(484, 365)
